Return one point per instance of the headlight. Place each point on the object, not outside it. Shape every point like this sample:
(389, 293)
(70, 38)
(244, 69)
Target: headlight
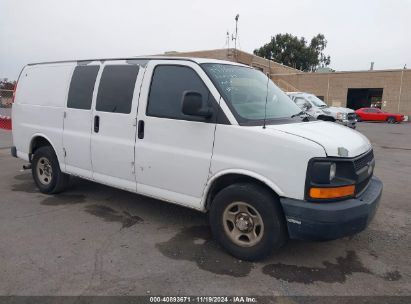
(341, 116)
(329, 178)
(333, 170)
(324, 172)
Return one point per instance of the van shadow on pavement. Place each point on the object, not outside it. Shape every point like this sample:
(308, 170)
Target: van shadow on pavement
(26, 184)
(195, 243)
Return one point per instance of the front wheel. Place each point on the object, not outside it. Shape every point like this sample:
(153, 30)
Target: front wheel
(247, 220)
(391, 120)
(46, 171)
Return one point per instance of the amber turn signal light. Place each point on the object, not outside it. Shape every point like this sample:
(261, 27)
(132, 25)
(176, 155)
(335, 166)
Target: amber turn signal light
(335, 192)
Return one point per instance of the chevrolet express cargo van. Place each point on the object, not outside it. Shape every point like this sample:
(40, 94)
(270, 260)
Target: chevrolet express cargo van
(215, 136)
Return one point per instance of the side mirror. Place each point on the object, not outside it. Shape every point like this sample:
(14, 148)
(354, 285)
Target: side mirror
(192, 104)
(307, 106)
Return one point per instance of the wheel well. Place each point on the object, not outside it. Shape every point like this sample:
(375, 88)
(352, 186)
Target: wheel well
(36, 143)
(229, 179)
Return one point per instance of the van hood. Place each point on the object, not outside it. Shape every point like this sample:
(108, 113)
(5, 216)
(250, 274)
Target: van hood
(331, 136)
(340, 109)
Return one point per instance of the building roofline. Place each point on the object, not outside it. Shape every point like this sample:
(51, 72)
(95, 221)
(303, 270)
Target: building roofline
(274, 62)
(342, 72)
(241, 51)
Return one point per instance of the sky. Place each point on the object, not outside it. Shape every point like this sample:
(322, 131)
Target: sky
(358, 31)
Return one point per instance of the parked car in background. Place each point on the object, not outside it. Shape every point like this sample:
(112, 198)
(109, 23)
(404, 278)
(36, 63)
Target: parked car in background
(320, 110)
(375, 114)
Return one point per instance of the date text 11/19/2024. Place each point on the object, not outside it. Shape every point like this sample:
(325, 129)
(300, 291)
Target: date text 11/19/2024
(203, 299)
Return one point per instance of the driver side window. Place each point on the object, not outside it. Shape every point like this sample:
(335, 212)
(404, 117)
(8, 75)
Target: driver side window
(301, 102)
(168, 84)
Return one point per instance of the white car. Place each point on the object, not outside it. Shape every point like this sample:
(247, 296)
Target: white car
(215, 136)
(318, 109)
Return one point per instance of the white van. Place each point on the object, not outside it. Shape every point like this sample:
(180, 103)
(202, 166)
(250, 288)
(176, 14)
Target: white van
(211, 135)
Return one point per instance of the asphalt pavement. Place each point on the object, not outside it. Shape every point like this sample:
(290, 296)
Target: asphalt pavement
(97, 240)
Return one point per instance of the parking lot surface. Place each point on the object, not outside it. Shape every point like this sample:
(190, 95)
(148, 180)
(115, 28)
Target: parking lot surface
(97, 240)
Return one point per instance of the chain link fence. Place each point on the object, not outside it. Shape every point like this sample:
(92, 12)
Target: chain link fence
(6, 99)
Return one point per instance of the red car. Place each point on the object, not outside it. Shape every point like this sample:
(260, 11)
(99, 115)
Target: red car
(376, 114)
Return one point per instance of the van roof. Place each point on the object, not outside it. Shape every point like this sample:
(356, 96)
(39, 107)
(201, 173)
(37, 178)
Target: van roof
(193, 59)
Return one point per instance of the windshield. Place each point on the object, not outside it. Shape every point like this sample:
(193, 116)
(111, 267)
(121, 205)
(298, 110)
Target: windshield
(245, 91)
(316, 101)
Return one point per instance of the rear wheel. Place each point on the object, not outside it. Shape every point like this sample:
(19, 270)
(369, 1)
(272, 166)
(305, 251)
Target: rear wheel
(391, 119)
(247, 220)
(46, 171)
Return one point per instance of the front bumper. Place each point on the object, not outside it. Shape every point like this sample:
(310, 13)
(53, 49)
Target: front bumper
(348, 123)
(332, 220)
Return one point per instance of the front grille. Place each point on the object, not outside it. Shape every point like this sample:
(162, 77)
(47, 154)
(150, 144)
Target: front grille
(363, 160)
(351, 116)
(360, 187)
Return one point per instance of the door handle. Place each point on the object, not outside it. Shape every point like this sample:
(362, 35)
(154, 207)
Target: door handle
(140, 132)
(96, 123)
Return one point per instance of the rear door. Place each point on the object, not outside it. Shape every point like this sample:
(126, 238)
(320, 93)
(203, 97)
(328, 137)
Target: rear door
(77, 120)
(367, 114)
(173, 150)
(114, 127)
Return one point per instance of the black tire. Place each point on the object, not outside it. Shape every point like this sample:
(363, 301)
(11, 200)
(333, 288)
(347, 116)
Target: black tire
(267, 205)
(57, 180)
(391, 120)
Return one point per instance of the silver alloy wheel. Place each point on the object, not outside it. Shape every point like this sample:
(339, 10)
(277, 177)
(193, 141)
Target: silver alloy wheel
(44, 171)
(243, 224)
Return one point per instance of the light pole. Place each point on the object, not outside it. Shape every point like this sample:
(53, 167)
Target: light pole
(236, 30)
(236, 35)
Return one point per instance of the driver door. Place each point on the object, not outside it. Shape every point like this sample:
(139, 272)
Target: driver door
(173, 150)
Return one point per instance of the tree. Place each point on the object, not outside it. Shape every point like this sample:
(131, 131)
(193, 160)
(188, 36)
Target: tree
(318, 45)
(296, 52)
